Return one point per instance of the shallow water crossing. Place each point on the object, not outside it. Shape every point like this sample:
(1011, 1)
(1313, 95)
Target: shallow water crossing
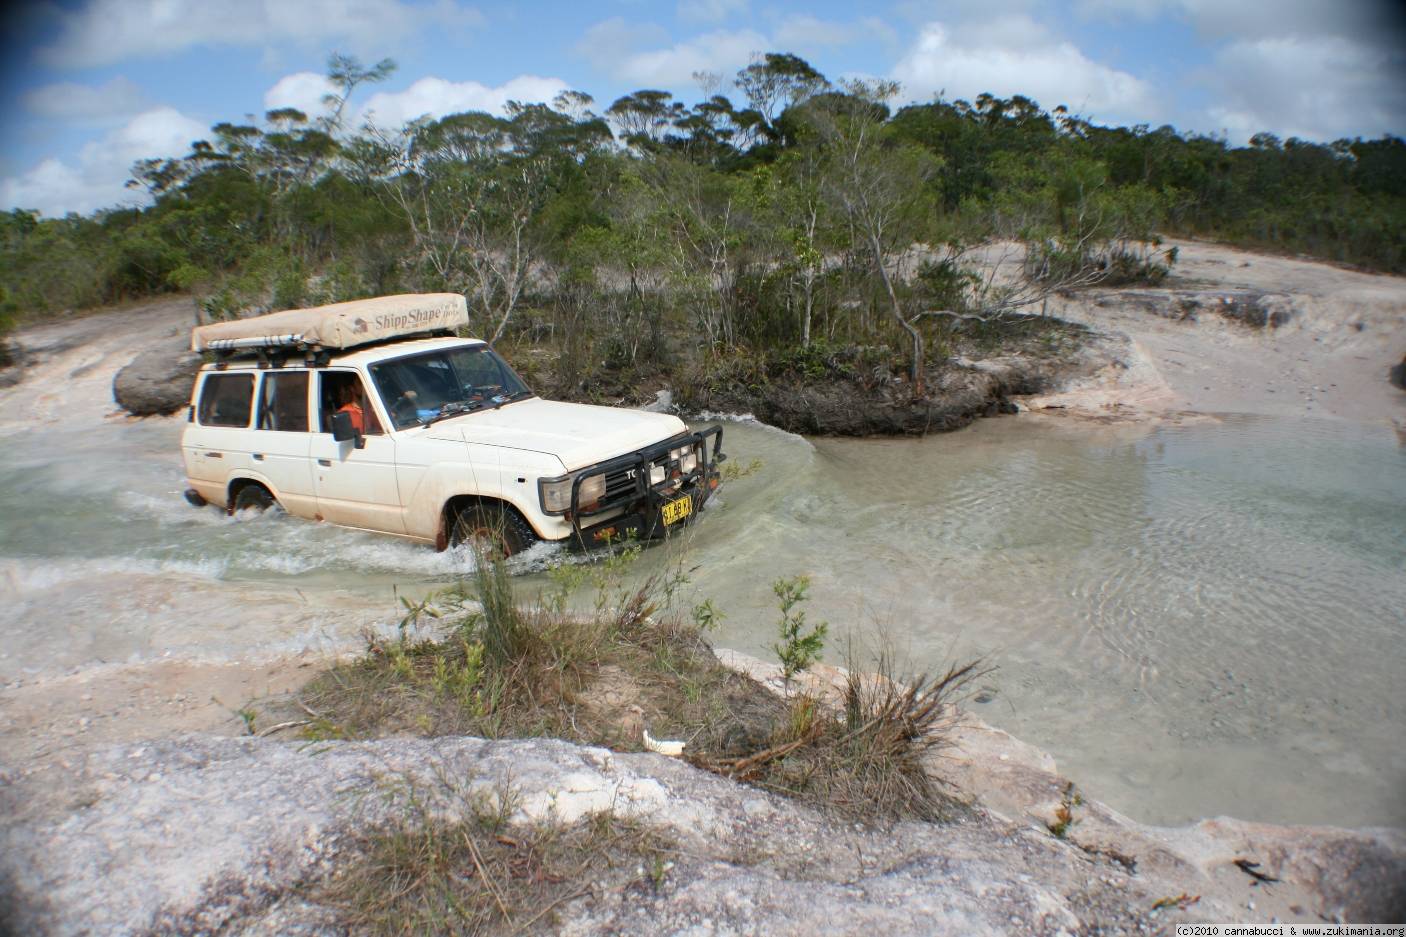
(1195, 619)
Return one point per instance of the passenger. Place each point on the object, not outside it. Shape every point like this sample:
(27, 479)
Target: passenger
(350, 398)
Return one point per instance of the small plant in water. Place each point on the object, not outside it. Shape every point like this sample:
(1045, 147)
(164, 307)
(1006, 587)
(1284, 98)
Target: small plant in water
(798, 648)
(706, 616)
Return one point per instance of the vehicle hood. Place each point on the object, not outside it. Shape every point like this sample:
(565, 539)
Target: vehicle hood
(578, 434)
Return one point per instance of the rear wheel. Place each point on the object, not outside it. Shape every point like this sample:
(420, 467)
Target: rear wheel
(254, 498)
(497, 531)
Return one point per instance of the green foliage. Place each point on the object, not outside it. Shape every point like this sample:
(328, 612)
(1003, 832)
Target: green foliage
(722, 231)
(798, 648)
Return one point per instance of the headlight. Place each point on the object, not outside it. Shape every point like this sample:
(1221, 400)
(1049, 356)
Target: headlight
(556, 492)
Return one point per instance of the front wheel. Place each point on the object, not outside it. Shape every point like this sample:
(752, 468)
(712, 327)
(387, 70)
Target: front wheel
(495, 531)
(254, 498)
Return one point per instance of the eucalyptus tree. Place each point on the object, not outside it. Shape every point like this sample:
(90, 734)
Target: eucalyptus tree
(473, 189)
(880, 185)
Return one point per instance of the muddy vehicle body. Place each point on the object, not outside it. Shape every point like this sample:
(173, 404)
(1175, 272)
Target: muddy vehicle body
(372, 415)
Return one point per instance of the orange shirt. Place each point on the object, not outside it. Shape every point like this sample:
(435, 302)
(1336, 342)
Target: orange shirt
(357, 418)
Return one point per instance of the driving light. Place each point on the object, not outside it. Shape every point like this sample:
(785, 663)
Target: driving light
(656, 474)
(686, 456)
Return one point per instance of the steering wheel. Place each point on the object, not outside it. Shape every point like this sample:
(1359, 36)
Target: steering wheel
(405, 410)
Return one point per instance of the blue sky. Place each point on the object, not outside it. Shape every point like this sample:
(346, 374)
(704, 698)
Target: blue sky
(89, 86)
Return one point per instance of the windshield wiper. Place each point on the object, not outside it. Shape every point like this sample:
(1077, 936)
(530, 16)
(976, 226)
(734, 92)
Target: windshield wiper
(452, 408)
(510, 398)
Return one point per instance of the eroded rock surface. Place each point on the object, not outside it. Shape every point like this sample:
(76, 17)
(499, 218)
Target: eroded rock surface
(1252, 308)
(197, 835)
(157, 382)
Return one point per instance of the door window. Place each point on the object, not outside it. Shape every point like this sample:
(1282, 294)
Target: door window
(225, 400)
(283, 404)
(343, 390)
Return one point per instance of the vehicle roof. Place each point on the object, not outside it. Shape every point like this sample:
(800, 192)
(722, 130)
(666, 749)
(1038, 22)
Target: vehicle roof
(356, 358)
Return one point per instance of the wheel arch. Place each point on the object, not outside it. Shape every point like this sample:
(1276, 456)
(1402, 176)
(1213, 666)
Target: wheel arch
(240, 482)
(458, 503)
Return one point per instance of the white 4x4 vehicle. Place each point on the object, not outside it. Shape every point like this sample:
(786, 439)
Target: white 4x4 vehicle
(370, 415)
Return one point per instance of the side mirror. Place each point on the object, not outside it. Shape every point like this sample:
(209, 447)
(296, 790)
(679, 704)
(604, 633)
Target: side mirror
(342, 430)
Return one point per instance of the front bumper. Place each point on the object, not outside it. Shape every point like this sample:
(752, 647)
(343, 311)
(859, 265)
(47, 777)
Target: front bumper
(632, 508)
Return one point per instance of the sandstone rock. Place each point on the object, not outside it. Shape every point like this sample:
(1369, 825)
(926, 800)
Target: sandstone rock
(198, 835)
(1247, 307)
(11, 363)
(157, 381)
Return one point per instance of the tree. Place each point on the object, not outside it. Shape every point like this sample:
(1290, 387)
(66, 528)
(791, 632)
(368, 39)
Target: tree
(879, 185)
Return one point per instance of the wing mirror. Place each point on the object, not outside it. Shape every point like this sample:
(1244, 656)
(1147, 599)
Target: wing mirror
(342, 430)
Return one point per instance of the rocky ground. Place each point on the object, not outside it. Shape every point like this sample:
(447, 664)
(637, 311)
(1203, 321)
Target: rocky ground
(197, 835)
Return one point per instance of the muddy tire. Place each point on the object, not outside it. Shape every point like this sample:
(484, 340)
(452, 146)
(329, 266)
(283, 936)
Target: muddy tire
(253, 498)
(500, 531)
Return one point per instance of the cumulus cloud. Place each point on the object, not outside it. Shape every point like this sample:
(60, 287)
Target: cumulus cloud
(1301, 68)
(618, 49)
(1013, 54)
(97, 178)
(1318, 88)
(437, 97)
(302, 90)
(71, 101)
(803, 31)
(710, 11)
(104, 32)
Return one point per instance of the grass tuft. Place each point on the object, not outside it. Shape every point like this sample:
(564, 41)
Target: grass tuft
(477, 875)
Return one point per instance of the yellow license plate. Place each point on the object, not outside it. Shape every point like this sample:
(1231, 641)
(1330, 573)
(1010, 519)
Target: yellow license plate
(677, 510)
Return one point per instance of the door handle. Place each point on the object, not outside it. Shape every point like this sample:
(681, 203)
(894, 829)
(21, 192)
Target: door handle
(325, 462)
(258, 457)
(214, 455)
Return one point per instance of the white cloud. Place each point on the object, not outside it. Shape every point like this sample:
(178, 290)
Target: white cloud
(710, 11)
(438, 97)
(1370, 20)
(1013, 54)
(104, 32)
(803, 31)
(1319, 88)
(303, 90)
(103, 166)
(71, 101)
(606, 43)
(617, 48)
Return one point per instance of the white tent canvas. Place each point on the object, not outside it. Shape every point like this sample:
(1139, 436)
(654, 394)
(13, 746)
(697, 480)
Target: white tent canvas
(340, 325)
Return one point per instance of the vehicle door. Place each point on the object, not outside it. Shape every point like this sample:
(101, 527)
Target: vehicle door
(217, 444)
(283, 440)
(356, 487)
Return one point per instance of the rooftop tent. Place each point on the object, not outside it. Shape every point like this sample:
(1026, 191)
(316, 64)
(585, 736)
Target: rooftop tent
(340, 325)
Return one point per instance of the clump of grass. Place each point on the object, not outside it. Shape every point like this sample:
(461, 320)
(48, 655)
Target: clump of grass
(512, 668)
(871, 762)
(478, 875)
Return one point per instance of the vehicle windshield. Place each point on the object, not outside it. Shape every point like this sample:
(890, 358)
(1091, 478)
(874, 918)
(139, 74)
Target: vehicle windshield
(419, 389)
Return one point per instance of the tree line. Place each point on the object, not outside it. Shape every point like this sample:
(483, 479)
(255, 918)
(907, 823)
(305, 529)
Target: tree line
(805, 212)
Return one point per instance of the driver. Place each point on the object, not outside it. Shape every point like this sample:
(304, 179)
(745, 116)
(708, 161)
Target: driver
(350, 399)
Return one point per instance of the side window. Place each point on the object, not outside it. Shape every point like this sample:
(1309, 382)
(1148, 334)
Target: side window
(283, 404)
(226, 400)
(342, 390)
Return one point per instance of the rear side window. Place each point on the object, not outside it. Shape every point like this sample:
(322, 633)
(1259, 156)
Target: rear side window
(225, 400)
(283, 403)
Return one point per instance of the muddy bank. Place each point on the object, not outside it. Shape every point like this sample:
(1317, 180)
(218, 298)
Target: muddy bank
(986, 372)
